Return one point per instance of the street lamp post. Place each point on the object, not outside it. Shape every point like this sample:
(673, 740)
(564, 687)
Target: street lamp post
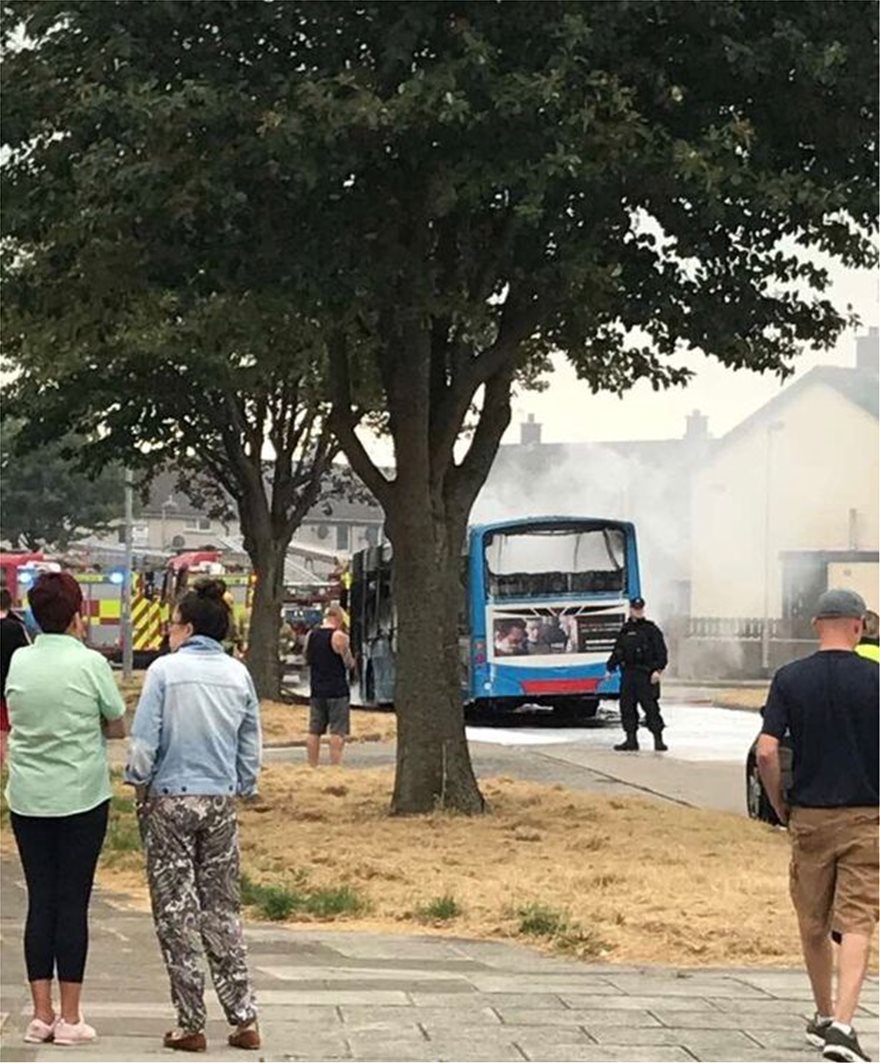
(776, 426)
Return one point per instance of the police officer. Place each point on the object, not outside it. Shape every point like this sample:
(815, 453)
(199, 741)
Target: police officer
(640, 653)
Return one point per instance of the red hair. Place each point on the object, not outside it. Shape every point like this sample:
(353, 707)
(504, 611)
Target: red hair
(55, 599)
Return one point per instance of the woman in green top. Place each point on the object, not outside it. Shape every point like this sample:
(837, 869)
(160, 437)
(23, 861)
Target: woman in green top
(63, 703)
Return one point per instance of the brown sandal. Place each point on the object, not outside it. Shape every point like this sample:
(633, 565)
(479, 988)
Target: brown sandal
(246, 1037)
(183, 1041)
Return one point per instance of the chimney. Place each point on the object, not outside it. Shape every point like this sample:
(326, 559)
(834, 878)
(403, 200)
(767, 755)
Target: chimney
(529, 431)
(868, 351)
(697, 427)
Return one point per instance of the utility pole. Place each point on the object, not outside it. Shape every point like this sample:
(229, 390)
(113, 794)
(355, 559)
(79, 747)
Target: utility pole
(127, 649)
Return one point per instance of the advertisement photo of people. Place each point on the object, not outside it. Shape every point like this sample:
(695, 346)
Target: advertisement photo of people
(535, 635)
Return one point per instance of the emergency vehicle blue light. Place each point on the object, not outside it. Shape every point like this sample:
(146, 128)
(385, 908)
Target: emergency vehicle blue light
(27, 578)
(117, 577)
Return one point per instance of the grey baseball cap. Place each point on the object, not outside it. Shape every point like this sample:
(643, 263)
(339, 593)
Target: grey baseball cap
(840, 603)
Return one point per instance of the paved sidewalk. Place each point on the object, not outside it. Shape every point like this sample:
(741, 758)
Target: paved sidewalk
(335, 995)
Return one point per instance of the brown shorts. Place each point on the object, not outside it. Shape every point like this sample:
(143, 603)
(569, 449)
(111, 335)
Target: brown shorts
(834, 869)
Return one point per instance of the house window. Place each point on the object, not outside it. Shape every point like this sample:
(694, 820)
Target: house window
(342, 536)
(198, 524)
(371, 535)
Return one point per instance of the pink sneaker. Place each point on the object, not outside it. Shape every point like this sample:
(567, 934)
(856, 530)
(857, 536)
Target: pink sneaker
(73, 1033)
(38, 1031)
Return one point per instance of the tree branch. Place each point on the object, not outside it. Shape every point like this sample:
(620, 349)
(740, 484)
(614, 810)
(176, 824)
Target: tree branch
(517, 324)
(342, 422)
(464, 480)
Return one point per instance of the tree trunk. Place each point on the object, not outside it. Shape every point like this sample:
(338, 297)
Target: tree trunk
(433, 762)
(262, 658)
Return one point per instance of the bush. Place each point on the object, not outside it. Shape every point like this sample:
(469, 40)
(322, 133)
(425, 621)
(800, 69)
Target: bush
(440, 909)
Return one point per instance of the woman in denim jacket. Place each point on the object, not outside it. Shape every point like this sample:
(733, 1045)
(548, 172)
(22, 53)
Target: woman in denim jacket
(195, 747)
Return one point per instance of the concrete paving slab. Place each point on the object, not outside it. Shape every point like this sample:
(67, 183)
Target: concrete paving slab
(561, 1035)
(361, 974)
(771, 1006)
(355, 1014)
(760, 1055)
(580, 1017)
(489, 1000)
(688, 986)
(705, 1020)
(634, 1003)
(610, 1054)
(729, 1040)
(546, 983)
(332, 996)
(390, 1052)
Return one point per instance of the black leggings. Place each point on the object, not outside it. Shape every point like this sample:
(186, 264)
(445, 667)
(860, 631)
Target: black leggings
(59, 855)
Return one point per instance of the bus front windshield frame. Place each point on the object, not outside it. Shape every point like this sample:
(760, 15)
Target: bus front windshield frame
(555, 559)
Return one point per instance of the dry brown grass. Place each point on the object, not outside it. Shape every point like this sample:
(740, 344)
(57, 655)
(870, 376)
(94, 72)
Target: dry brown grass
(641, 882)
(285, 724)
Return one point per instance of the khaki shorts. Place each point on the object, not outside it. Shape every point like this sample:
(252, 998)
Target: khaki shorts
(834, 869)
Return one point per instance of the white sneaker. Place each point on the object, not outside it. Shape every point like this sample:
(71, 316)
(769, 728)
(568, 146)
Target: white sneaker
(73, 1033)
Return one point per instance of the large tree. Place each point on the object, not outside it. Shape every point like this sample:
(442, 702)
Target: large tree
(135, 309)
(448, 192)
(621, 181)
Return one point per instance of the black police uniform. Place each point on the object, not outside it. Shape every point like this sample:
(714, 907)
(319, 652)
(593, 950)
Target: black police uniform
(640, 649)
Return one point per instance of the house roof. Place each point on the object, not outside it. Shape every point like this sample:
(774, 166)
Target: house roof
(645, 452)
(858, 385)
(163, 491)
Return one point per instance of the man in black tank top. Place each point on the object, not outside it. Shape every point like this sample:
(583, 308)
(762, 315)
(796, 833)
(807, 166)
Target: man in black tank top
(328, 655)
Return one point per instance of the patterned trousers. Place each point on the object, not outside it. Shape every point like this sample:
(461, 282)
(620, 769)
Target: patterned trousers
(191, 845)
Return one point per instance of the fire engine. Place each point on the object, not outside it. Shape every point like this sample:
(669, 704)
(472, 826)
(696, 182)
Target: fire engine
(152, 596)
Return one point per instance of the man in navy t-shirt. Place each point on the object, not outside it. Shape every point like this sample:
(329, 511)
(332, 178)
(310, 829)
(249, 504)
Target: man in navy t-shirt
(828, 705)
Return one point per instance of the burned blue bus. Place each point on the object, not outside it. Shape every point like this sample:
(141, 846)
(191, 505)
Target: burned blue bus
(542, 600)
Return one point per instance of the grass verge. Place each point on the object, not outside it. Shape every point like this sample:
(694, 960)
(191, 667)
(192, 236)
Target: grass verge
(617, 879)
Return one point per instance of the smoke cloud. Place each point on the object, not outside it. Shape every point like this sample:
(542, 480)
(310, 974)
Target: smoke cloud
(596, 481)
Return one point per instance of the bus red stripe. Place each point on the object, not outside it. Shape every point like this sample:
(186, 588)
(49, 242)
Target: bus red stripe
(560, 686)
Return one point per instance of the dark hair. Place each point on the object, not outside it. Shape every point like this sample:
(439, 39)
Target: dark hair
(55, 599)
(5, 598)
(205, 609)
